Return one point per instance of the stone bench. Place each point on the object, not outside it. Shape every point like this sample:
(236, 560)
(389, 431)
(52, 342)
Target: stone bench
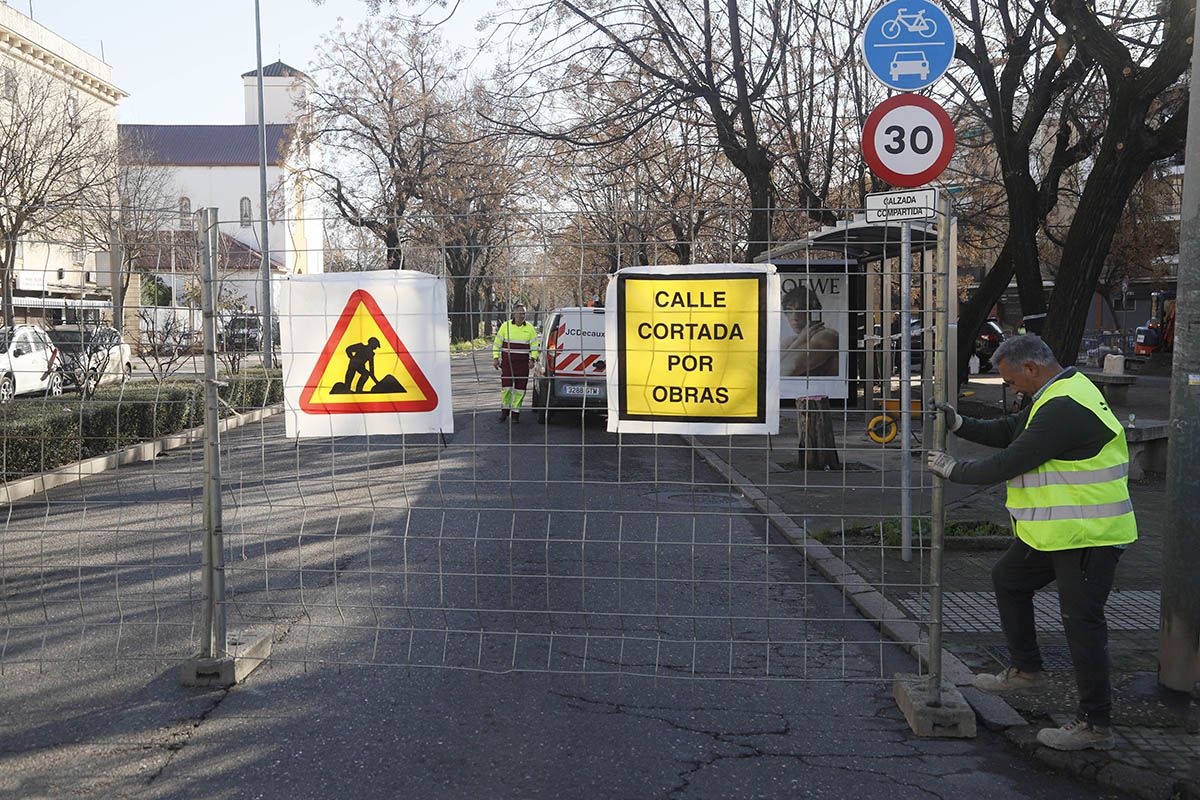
(1147, 448)
(1114, 387)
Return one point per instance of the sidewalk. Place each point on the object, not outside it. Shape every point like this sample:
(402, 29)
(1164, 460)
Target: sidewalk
(1158, 747)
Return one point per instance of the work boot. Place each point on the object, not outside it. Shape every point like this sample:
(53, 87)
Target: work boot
(1078, 735)
(1010, 680)
(516, 418)
(503, 414)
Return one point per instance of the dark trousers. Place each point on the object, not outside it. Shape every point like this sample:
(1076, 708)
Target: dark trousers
(1084, 576)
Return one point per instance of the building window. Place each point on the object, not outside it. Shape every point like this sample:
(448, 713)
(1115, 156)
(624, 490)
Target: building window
(185, 213)
(245, 212)
(62, 273)
(77, 254)
(10, 83)
(87, 277)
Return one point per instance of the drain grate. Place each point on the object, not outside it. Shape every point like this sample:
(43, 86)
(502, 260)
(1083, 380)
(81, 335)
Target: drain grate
(705, 500)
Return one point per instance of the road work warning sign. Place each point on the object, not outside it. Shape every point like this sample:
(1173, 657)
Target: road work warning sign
(696, 349)
(365, 367)
(365, 353)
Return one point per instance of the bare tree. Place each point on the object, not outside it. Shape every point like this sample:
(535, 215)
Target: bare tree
(57, 160)
(138, 205)
(377, 115)
(635, 62)
(1066, 85)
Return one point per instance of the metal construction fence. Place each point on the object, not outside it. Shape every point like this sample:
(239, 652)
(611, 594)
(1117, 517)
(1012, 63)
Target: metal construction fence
(160, 511)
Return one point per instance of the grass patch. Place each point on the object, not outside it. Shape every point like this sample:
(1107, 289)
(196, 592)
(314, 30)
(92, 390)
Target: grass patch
(889, 531)
(473, 344)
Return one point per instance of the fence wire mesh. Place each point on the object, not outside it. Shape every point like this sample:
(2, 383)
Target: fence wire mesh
(548, 545)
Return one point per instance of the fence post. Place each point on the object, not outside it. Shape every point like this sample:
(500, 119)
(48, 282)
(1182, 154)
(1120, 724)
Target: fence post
(931, 706)
(223, 660)
(937, 524)
(905, 371)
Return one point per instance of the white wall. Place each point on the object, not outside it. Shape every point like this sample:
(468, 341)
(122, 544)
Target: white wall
(297, 239)
(33, 48)
(285, 100)
(223, 188)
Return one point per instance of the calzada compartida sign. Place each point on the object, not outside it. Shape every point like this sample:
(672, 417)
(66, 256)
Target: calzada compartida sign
(693, 349)
(365, 353)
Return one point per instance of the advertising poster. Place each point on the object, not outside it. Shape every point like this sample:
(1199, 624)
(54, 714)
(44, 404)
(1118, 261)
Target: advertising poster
(814, 331)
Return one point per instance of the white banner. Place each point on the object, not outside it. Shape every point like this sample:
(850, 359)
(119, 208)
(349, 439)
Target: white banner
(365, 353)
(693, 349)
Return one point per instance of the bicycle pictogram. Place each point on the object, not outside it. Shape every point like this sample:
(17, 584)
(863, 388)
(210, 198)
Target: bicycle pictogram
(913, 23)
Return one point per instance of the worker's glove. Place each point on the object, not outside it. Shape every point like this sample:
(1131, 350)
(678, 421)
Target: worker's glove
(940, 463)
(954, 420)
(496, 363)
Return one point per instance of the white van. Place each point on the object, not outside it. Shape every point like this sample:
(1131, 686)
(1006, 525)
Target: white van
(570, 373)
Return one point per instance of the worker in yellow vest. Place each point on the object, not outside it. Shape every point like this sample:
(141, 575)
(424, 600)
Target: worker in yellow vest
(1067, 465)
(514, 352)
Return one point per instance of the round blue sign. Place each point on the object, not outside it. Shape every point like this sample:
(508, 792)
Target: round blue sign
(908, 44)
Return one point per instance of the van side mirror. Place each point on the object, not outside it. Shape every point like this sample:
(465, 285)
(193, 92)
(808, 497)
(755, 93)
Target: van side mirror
(18, 352)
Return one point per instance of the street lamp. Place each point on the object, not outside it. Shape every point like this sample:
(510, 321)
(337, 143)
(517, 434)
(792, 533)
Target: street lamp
(267, 337)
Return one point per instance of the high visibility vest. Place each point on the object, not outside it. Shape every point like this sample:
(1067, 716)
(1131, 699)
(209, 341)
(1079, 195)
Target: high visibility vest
(1061, 505)
(514, 338)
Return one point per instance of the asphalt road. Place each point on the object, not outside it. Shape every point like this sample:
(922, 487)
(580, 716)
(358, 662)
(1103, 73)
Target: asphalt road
(522, 611)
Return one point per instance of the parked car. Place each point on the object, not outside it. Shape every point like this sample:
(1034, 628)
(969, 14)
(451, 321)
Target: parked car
(243, 333)
(989, 338)
(571, 371)
(92, 355)
(916, 344)
(28, 363)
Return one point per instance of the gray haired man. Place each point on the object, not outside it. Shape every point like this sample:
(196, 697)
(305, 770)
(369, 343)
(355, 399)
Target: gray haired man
(1067, 465)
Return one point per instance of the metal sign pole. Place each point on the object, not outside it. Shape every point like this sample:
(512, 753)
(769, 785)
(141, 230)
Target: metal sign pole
(937, 501)
(214, 630)
(906, 391)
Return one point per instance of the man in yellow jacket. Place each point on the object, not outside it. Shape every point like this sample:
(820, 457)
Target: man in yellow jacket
(513, 353)
(1067, 465)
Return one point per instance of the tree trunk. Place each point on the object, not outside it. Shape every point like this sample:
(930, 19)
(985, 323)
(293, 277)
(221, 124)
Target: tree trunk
(1087, 246)
(818, 448)
(460, 321)
(6, 279)
(758, 238)
(391, 241)
(974, 311)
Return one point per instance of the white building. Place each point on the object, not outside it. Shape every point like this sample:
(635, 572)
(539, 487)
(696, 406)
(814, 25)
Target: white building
(217, 166)
(56, 273)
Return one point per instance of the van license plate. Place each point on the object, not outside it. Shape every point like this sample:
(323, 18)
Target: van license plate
(580, 390)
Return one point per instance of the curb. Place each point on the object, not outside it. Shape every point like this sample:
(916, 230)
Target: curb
(137, 453)
(1095, 767)
(992, 710)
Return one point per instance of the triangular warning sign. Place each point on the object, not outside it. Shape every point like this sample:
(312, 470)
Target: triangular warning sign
(365, 368)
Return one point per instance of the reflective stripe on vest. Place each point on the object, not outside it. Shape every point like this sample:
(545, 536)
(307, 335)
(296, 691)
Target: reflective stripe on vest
(1032, 480)
(513, 338)
(1100, 511)
(1064, 504)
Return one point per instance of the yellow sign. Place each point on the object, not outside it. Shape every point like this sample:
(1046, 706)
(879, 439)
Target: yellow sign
(365, 368)
(692, 347)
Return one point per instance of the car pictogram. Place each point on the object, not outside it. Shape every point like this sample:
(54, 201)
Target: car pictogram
(909, 62)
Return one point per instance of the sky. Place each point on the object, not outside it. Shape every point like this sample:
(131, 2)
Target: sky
(181, 61)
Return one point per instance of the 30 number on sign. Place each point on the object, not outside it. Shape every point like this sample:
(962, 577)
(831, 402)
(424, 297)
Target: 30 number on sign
(908, 140)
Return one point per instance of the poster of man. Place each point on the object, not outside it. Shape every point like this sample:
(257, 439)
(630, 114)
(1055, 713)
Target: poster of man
(814, 334)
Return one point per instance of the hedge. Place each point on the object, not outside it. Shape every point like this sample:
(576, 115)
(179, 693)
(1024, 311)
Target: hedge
(41, 434)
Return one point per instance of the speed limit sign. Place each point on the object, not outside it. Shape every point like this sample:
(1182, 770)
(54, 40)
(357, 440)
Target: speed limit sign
(908, 140)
